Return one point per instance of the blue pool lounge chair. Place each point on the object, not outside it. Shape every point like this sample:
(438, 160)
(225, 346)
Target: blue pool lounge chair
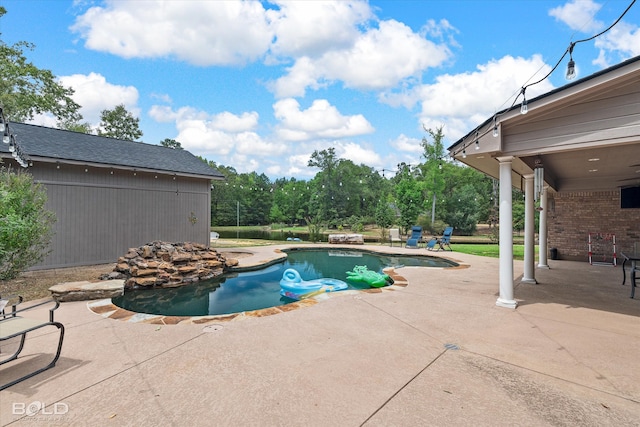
(416, 234)
(431, 244)
(445, 240)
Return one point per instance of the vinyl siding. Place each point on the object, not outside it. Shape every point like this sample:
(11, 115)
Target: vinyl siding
(102, 212)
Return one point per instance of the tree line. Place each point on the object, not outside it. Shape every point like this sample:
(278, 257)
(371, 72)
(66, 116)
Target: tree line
(434, 193)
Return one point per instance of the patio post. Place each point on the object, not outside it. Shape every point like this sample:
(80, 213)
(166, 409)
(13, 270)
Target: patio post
(542, 234)
(506, 235)
(529, 232)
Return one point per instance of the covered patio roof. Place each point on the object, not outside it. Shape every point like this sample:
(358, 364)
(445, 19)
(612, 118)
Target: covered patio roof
(586, 134)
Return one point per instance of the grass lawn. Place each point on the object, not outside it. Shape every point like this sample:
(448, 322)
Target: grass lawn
(490, 250)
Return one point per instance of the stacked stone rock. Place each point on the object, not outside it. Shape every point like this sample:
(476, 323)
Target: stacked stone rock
(163, 264)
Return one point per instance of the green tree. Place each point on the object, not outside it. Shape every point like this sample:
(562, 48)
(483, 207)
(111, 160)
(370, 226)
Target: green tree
(408, 195)
(26, 90)
(171, 143)
(119, 123)
(431, 169)
(322, 202)
(25, 225)
(75, 126)
(465, 217)
(292, 199)
(384, 216)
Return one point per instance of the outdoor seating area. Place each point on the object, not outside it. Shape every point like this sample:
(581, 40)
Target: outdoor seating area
(565, 352)
(436, 244)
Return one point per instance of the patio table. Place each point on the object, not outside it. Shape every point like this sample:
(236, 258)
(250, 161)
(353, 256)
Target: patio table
(633, 257)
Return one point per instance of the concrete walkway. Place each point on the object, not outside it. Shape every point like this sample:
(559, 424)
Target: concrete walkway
(437, 352)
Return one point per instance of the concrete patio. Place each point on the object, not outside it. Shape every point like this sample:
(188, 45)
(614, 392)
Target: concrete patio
(437, 352)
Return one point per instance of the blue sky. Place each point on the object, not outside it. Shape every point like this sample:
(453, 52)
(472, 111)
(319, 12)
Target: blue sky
(260, 85)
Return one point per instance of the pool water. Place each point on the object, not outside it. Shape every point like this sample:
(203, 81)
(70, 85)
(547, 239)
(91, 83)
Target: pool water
(254, 290)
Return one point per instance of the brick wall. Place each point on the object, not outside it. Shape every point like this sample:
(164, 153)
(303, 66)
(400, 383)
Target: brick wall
(572, 216)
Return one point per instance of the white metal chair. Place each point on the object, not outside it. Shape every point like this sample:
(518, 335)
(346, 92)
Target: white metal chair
(394, 236)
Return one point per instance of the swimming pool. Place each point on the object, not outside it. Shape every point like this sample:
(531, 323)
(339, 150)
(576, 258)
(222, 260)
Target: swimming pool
(253, 290)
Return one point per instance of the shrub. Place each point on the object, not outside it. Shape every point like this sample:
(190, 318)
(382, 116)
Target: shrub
(25, 226)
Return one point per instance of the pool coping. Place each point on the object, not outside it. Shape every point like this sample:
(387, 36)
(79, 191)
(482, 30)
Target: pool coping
(106, 308)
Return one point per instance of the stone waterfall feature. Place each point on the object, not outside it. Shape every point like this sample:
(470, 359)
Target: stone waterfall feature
(164, 265)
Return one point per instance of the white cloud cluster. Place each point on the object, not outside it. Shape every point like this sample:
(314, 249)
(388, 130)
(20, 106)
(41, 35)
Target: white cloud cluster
(310, 28)
(622, 41)
(95, 94)
(378, 59)
(222, 134)
(201, 33)
(327, 41)
(578, 15)
(320, 120)
(464, 100)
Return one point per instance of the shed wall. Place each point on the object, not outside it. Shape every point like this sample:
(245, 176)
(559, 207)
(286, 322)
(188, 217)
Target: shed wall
(102, 212)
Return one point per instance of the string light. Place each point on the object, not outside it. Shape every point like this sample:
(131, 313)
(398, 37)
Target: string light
(524, 109)
(571, 66)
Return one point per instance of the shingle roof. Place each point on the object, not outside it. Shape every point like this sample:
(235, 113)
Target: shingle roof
(61, 145)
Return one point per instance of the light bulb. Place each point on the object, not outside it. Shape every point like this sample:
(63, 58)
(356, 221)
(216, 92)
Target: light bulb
(464, 154)
(495, 130)
(477, 145)
(571, 69)
(523, 108)
(6, 138)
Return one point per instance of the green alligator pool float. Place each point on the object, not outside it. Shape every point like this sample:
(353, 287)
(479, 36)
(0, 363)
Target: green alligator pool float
(361, 273)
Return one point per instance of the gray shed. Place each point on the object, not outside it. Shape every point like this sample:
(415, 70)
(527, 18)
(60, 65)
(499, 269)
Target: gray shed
(109, 195)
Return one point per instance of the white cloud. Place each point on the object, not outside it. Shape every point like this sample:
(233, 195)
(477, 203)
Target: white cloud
(162, 97)
(359, 154)
(406, 144)
(44, 119)
(379, 59)
(196, 136)
(95, 94)
(232, 123)
(311, 28)
(578, 15)
(623, 39)
(162, 114)
(220, 134)
(202, 33)
(461, 101)
(250, 143)
(320, 120)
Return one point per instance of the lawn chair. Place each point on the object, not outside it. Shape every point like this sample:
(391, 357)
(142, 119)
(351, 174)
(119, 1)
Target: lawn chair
(394, 236)
(445, 239)
(416, 235)
(431, 244)
(13, 325)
